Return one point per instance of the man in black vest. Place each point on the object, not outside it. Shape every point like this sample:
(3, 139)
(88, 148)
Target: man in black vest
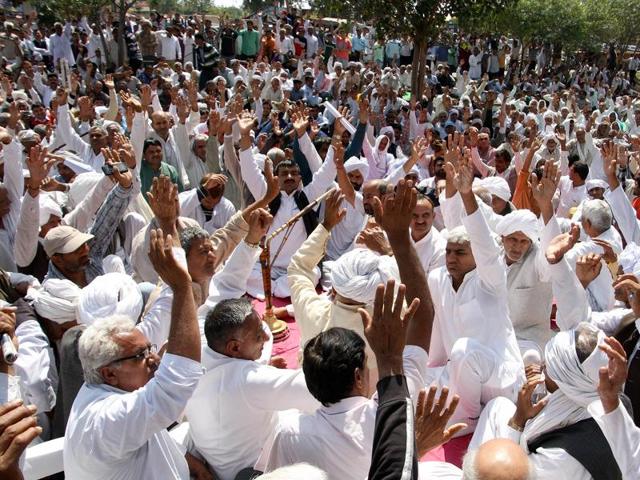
(292, 199)
(562, 438)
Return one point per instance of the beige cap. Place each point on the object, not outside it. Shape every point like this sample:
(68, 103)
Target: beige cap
(64, 239)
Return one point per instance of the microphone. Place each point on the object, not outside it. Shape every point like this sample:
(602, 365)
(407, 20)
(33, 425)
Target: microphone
(9, 352)
(532, 357)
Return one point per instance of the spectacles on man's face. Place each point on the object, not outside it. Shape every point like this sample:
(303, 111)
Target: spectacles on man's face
(142, 355)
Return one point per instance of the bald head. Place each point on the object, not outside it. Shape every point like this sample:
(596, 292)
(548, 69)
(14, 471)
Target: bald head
(498, 459)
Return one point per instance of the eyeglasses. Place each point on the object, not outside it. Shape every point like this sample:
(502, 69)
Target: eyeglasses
(143, 355)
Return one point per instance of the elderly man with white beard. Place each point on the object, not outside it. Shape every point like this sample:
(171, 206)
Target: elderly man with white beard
(473, 347)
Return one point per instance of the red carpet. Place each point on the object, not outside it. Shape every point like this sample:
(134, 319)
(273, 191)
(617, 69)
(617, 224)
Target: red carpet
(452, 452)
(287, 349)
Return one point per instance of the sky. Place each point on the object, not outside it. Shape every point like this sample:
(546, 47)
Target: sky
(228, 3)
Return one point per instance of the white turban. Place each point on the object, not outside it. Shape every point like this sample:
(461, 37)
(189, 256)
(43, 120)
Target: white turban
(356, 163)
(75, 163)
(497, 186)
(519, 221)
(82, 186)
(577, 383)
(596, 183)
(48, 207)
(357, 274)
(629, 259)
(56, 300)
(110, 294)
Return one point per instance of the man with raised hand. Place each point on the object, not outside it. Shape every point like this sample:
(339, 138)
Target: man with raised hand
(117, 427)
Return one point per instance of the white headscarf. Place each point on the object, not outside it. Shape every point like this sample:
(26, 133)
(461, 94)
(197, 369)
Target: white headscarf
(110, 294)
(56, 300)
(356, 163)
(357, 274)
(48, 207)
(519, 221)
(497, 186)
(577, 383)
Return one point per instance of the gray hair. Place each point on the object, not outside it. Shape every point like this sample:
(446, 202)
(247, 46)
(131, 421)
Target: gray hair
(97, 347)
(458, 234)
(224, 320)
(298, 471)
(189, 234)
(598, 213)
(469, 471)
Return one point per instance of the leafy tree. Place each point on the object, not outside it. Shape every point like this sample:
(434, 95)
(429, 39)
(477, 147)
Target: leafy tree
(422, 20)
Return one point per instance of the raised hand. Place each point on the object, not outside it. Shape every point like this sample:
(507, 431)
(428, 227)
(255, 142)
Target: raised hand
(613, 376)
(39, 166)
(544, 189)
(432, 418)
(165, 264)
(386, 330)
(246, 122)
(588, 267)
(17, 429)
(130, 102)
(163, 200)
(214, 123)
(562, 244)
(333, 213)
(462, 175)
(182, 108)
(629, 286)
(364, 110)
(146, 96)
(609, 158)
(259, 222)
(300, 123)
(108, 81)
(375, 240)
(86, 110)
(395, 216)
(112, 157)
(525, 408)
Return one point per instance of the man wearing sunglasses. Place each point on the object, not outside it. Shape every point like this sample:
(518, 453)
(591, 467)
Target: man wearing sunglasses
(119, 420)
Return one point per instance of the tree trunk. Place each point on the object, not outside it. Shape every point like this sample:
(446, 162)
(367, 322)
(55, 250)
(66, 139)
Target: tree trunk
(122, 18)
(418, 66)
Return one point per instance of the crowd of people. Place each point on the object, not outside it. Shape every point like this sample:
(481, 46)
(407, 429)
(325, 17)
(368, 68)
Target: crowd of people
(465, 268)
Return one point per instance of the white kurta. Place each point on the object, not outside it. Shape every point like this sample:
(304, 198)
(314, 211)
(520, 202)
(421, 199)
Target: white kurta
(112, 434)
(570, 196)
(338, 438)
(472, 327)
(548, 462)
(190, 207)
(431, 250)
(623, 437)
(235, 409)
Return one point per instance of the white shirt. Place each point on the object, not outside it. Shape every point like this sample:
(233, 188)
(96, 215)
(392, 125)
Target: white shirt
(76, 142)
(254, 179)
(431, 250)
(190, 207)
(112, 434)
(344, 233)
(338, 438)
(570, 196)
(479, 308)
(234, 409)
(170, 48)
(623, 437)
